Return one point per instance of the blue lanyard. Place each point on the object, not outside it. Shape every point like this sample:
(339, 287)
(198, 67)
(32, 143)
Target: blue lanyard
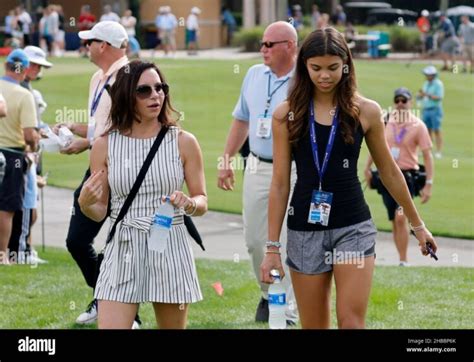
(96, 98)
(270, 95)
(314, 144)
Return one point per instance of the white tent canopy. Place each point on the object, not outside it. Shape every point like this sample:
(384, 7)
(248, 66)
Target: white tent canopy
(458, 11)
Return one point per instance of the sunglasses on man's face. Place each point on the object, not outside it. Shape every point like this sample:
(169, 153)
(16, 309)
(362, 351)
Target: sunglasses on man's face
(144, 91)
(270, 44)
(398, 100)
(90, 41)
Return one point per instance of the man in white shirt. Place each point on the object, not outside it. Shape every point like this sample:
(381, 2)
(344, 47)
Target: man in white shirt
(109, 15)
(107, 42)
(466, 33)
(192, 30)
(26, 21)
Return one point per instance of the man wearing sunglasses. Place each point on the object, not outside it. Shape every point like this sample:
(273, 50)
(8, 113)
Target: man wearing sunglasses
(264, 87)
(107, 45)
(405, 134)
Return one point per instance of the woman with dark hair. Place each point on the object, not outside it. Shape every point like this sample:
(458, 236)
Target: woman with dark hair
(330, 231)
(131, 273)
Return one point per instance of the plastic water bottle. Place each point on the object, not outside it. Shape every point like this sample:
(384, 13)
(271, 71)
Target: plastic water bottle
(3, 166)
(276, 303)
(161, 226)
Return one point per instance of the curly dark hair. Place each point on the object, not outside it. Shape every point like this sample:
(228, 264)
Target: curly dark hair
(123, 94)
(321, 42)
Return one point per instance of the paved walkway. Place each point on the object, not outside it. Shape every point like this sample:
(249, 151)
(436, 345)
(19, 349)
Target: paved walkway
(223, 236)
(237, 54)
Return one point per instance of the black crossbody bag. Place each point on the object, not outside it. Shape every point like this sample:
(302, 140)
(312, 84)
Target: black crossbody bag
(416, 178)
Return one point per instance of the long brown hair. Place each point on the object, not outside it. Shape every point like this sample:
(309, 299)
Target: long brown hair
(321, 42)
(123, 94)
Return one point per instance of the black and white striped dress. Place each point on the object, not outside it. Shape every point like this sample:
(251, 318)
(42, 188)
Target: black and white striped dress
(130, 272)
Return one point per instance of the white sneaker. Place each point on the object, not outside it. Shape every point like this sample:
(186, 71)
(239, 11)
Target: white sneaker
(404, 263)
(35, 259)
(135, 325)
(90, 315)
(438, 155)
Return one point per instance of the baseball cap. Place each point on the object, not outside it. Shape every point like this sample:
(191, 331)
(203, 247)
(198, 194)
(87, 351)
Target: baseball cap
(108, 31)
(425, 12)
(37, 55)
(430, 70)
(402, 92)
(196, 10)
(18, 56)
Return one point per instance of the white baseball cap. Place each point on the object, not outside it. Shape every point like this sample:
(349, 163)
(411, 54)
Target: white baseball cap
(430, 70)
(425, 12)
(109, 31)
(37, 55)
(196, 10)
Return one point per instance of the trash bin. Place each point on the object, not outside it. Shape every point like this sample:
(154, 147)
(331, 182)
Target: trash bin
(384, 45)
(373, 45)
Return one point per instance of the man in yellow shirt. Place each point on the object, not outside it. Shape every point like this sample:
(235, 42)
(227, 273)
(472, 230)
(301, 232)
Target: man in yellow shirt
(17, 130)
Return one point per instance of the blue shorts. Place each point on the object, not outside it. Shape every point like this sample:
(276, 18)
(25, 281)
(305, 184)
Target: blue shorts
(432, 118)
(191, 36)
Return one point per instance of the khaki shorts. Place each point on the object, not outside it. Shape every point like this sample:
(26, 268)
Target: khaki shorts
(469, 51)
(167, 38)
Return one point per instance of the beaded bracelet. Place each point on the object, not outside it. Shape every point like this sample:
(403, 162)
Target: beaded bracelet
(417, 228)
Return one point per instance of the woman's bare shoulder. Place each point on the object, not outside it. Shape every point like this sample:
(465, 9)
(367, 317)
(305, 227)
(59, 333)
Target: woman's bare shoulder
(281, 111)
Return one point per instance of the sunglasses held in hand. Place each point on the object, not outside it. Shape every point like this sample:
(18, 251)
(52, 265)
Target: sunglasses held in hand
(430, 251)
(429, 247)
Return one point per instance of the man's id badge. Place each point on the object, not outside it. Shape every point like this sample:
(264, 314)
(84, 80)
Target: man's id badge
(395, 152)
(91, 128)
(264, 127)
(320, 207)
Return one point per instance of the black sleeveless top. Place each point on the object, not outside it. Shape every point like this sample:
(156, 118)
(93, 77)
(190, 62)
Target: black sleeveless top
(348, 204)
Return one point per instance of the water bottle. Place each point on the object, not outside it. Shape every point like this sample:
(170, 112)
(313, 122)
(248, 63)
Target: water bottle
(276, 303)
(3, 167)
(161, 226)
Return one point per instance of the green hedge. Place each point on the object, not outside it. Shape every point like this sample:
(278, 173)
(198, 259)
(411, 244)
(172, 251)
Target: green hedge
(403, 39)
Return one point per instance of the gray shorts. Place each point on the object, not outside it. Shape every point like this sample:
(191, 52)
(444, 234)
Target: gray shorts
(315, 252)
(450, 45)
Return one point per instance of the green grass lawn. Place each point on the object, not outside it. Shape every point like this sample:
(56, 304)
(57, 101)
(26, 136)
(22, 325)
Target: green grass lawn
(206, 91)
(52, 295)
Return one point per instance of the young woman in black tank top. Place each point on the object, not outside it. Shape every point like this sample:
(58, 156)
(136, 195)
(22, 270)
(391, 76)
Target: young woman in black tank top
(328, 213)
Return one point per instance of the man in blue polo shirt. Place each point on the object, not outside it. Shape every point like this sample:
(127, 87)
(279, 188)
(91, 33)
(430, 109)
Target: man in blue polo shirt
(264, 87)
(432, 95)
